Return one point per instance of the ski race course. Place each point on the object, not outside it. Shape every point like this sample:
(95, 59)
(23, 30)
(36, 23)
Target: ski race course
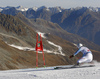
(51, 73)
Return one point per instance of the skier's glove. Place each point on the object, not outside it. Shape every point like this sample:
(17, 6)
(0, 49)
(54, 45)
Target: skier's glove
(71, 56)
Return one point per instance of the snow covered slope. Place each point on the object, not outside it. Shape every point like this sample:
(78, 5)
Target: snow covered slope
(50, 73)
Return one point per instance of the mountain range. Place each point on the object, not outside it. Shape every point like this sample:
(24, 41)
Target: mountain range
(19, 32)
(82, 21)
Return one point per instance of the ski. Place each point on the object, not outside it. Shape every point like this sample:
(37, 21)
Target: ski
(74, 67)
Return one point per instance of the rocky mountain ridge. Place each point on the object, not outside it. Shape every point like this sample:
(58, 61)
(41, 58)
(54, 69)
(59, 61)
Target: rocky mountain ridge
(82, 21)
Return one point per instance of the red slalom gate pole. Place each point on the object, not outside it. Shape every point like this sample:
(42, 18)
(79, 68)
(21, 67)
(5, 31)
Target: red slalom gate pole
(36, 59)
(42, 50)
(36, 51)
(43, 58)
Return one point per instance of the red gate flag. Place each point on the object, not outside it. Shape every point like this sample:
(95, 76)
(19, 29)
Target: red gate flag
(39, 45)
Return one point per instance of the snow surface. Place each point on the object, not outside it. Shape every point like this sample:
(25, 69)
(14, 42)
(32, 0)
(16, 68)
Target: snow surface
(50, 73)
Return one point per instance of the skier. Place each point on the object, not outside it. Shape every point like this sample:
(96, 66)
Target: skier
(87, 54)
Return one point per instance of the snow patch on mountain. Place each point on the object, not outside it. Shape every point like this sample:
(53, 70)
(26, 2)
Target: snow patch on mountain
(32, 49)
(1, 9)
(59, 48)
(94, 9)
(20, 8)
(21, 48)
(42, 34)
(4, 8)
(77, 8)
(35, 8)
(59, 51)
(59, 9)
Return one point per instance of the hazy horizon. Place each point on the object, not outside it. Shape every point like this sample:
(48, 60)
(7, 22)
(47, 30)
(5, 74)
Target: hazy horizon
(50, 3)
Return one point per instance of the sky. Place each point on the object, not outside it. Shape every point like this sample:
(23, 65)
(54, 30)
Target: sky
(50, 3)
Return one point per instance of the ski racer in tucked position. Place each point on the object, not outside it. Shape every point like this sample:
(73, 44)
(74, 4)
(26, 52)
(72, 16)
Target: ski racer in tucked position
(87, 54)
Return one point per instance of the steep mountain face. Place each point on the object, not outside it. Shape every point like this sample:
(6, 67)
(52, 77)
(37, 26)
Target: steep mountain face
(44, 14)
(12, 58)
(17, 46)
(10, 11)
(30, 14)
(55, 29)
(82, 20)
